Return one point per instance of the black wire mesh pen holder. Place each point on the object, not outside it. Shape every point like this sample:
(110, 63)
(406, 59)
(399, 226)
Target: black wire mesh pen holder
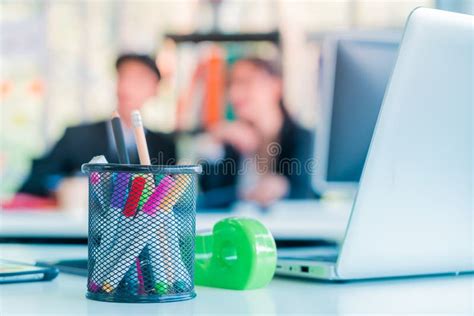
(141, 232)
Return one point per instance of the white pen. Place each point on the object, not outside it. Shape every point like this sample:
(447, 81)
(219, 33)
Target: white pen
(103, 254)
(133, 237)
(166, 253)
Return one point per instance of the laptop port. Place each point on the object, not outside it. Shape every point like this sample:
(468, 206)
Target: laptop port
(305, 269)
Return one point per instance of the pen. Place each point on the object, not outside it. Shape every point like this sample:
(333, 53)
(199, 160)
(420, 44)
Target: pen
(100, 188)
(119, 139)
(161, 254)
(149, 188)
(147, 270)
(161, 190)
(128, 247)
(139, 187)
(129, 283)
(180, 185)
(160, 249)
(96, 201)
(141, 281)
(130, 239)
(131, 206)
(130, 251)
(144, 157)
(104, 255)
(137, 228)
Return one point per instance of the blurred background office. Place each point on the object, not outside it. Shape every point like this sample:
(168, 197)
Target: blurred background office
(57, 63)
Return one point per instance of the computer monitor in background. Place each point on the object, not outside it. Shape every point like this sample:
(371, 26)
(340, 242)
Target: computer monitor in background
(354, 71)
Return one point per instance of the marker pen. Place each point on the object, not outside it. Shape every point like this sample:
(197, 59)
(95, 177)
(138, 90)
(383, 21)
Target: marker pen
(131, 206)
(129, 284)
(165, 254)
(128, 247)
(161, 190)
(181, 183)
(119, 139)
(103, 254)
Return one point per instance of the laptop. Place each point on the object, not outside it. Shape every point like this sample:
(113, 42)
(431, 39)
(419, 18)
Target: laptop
(413, 211)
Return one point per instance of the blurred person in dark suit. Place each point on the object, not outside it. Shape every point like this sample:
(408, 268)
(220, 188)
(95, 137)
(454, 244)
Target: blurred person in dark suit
(267, 147)
(137, 81)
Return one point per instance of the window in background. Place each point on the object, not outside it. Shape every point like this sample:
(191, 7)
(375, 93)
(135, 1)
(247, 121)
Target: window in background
(460, 6)
(299, 19)
(57, 58)
(57, 68)
(23, 95)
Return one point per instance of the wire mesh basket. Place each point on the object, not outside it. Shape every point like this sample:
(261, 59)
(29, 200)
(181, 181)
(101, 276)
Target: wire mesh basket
(141, 232)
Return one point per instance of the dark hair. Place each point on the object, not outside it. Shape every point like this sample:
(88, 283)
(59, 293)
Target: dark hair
(271, 67)
(141, 58)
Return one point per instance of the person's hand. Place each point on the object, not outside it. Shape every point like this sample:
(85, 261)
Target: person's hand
(239, 135)
(269, 189)
(72, 195)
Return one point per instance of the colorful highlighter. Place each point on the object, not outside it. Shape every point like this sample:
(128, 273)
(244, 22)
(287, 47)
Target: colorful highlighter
(120, 190)
(161, 288)
(107, 241)
(164, 248)
(149, 188)
(150, 207)
(181, 183)
(95, 178)
(127, 249)
(134, 197)
(93, 287)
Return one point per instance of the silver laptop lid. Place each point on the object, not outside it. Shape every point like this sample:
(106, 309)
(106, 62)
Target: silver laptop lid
(414, 209)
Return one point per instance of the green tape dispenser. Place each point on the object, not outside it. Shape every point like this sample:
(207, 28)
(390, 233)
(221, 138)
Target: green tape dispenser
(240, 254)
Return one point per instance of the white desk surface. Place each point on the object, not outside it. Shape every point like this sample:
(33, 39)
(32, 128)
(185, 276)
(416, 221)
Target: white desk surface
(286, 219)
(65, 295)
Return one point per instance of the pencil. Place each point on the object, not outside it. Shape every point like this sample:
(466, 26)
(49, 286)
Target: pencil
(140, 138)
(144, 156)
(119, 139)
